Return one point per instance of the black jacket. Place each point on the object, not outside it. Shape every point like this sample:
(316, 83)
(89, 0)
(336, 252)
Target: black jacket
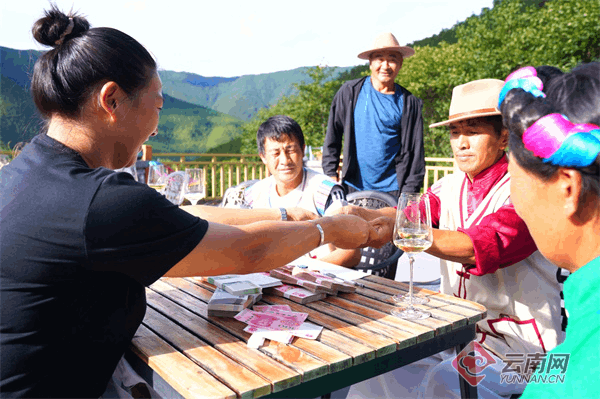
(410, 160)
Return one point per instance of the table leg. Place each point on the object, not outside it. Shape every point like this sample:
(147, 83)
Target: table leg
(467, 391)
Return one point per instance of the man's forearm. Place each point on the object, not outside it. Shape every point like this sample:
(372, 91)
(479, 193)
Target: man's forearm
(453, 246)
(232, 216)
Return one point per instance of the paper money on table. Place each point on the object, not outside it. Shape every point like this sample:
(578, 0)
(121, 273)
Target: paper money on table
(255, 341)
(262, 308)
(285, 337)
(295, 294)
(224, 301)
(308, 330)
(316, 277)
(222, 297)
(272, 321)
(287, 277)
(235, 284)
(244, 284)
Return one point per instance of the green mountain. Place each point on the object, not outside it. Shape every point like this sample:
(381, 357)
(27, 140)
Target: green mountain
(200, 113)
(240, 96)
(185, 127)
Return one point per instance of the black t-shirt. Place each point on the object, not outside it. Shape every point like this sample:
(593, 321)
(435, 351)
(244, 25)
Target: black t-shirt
(77, 247)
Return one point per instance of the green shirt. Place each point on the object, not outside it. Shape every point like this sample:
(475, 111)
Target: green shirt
(582, 342)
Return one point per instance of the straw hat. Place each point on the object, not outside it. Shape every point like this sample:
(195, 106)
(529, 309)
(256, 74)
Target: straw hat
(387, 41)
(473, 100)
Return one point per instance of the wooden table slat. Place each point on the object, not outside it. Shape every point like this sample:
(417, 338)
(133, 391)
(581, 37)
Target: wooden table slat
(238, 378)
(310, 367)
(336, 359)
(402, 338)
(279, 375)
(189, 379)
(194, 355)
(381, 312)
(339, 346)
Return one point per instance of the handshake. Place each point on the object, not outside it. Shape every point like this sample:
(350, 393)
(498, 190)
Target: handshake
(348, 226)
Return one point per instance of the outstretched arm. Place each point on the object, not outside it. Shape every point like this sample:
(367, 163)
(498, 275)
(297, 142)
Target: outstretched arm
(263, 246)
(453, 246)
(234, 216)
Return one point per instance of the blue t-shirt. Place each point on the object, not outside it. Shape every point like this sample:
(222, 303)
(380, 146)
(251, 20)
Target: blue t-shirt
(77, 247)
(377, 119)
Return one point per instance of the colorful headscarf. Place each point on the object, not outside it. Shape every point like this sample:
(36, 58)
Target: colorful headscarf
(553, 137)
(524, 78)
(560, 142)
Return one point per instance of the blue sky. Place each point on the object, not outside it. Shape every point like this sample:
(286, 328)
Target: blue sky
(233, 38)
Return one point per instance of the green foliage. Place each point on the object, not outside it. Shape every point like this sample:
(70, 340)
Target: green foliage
(514, 33)
(231, 147)
(185, 127)
(449, 35)
(18, 118)
(309, 107)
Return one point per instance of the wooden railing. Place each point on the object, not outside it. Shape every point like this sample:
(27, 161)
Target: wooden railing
(436, 168)
(222, 171)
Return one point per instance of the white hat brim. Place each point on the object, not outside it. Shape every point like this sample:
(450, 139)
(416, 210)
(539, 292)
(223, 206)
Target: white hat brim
(464, 117)
(404, 50)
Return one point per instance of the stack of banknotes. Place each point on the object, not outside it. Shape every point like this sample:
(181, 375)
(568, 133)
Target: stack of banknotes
(244, 284)
(278, 323)
(311, 280)
(225, 304)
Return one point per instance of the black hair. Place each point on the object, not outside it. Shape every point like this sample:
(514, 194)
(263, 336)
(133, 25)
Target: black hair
(574, 95)
(591, 69)
(577, 95)
(547, 72)
(65, 77)
(277, 126)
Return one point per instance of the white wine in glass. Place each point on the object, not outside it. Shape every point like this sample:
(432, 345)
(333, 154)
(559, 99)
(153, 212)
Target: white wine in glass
(194, 191)
(157, 177)
(412, 234)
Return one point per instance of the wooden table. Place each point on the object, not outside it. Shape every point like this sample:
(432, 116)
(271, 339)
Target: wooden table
(184, 353)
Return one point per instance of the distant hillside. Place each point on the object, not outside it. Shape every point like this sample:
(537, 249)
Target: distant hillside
(200, 113)
(185, 127)
(241, 96)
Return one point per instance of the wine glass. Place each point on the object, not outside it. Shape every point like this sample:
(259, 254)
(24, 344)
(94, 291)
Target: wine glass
(157, 177)
(194, 191)
(412, 234)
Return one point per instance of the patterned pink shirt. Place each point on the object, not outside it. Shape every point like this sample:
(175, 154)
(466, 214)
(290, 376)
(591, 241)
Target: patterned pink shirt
(500, 239)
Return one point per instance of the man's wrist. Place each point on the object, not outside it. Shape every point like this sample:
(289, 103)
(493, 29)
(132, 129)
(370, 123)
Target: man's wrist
(322, 233)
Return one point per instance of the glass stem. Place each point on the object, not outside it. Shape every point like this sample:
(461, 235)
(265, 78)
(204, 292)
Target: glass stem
(410, 285)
